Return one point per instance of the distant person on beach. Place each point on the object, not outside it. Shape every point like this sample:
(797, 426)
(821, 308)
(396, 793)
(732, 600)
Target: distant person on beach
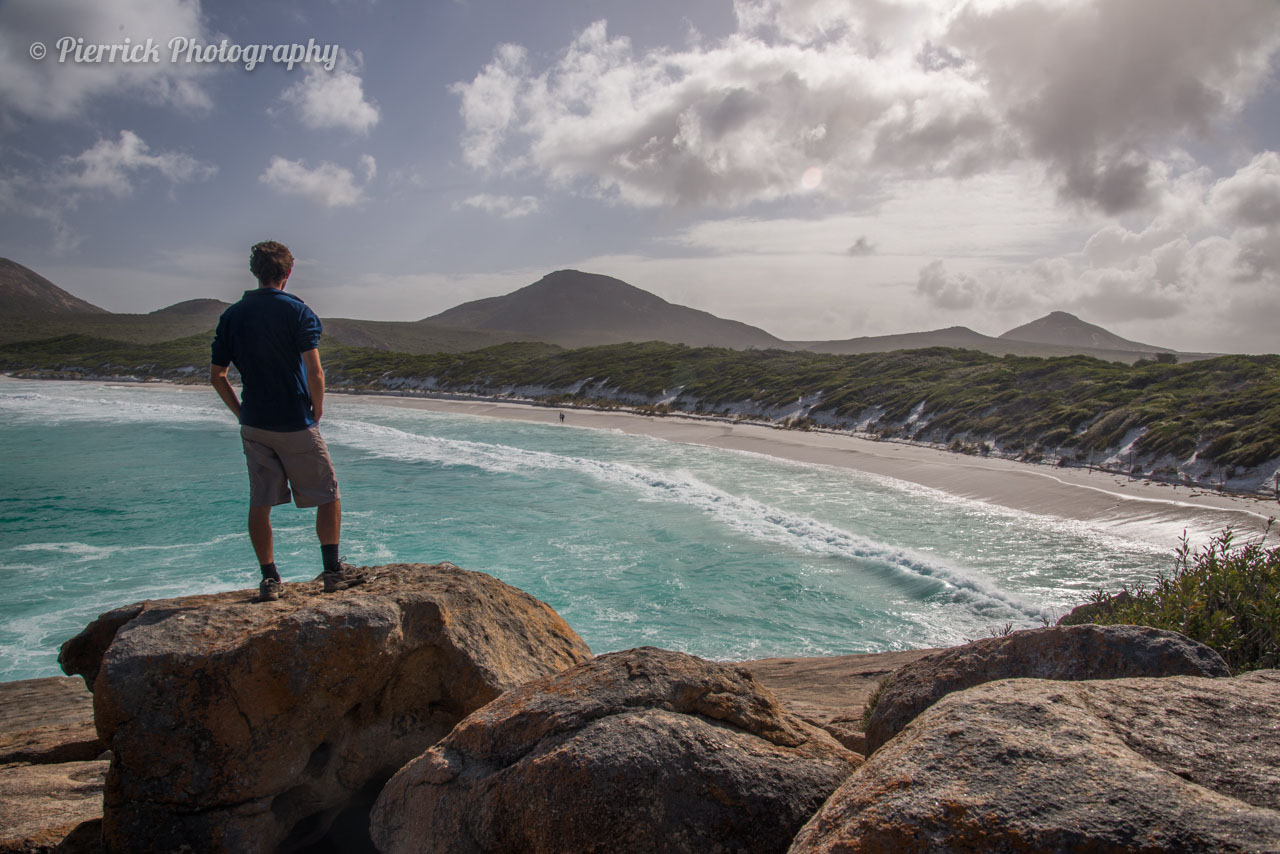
(271, 338)
(561, 417)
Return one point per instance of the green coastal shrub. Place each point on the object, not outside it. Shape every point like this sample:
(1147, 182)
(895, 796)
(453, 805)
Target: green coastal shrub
(874, 700)
(1225, 594)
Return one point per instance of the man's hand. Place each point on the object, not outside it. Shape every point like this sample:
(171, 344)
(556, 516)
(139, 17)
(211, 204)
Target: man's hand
(218, 379)
(315, 380)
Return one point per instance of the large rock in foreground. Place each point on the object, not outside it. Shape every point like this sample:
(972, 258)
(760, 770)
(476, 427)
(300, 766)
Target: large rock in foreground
(242, 727)
(1067, 653)
(643, 750)
(1181, 764)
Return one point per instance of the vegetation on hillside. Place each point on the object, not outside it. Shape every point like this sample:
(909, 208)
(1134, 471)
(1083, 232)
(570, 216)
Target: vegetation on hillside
(1225, 594)
(1225, 411)
(93, 356)
(138, 328)
(1227, 408)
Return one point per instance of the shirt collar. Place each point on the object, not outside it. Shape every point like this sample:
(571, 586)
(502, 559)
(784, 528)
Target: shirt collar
(273, 291)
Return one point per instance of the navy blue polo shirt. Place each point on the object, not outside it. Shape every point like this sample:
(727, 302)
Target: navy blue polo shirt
(265, 335)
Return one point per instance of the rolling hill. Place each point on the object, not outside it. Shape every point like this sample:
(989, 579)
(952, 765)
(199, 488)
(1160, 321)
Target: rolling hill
(34, 308)
(576, 309)
(195, 308)
(953, 336)
(414, 336)
(1055, 334)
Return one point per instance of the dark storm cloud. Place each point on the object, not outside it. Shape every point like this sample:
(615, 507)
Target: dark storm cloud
(1099, 90)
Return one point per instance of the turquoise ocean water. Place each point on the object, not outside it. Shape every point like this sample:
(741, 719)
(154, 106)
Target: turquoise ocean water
(116, 493)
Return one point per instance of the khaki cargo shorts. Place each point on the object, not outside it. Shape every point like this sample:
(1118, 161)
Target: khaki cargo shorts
(278, 461)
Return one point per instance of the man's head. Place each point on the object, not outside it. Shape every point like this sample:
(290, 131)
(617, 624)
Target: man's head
(270, 263)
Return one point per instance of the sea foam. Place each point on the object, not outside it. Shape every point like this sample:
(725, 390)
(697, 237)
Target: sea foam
(922, 576)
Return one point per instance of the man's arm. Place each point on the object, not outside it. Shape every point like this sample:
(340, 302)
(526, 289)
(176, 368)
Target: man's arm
(218, 378)
(315, 380)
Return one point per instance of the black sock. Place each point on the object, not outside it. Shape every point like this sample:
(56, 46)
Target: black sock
(329, 554)
(269, 571)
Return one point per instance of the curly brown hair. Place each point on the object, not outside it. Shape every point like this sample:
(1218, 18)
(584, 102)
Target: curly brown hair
(270, 262)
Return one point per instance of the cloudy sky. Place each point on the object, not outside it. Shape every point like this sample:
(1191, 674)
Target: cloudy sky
(820, 168)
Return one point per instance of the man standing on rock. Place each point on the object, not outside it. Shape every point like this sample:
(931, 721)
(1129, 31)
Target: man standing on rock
(271, 338)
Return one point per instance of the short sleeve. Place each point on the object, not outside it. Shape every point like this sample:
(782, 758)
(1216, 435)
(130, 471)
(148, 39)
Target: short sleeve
(221, 352)
(309, 330)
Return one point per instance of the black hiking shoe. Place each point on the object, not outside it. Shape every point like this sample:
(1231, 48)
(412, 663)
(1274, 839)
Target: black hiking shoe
(346, 576)
(270, 590)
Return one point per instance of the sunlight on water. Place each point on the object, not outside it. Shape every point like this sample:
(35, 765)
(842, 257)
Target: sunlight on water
(115, 494)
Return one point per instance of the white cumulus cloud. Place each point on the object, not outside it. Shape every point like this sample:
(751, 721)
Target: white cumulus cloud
(111, 166)
(49, 89)
(489, 104)
(1214, 275)
(327, 184)
(1100, 95)
(333, 99)
(1251, 197)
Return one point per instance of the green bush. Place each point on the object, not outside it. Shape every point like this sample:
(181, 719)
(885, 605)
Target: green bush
(1225, 594)
(874, 700)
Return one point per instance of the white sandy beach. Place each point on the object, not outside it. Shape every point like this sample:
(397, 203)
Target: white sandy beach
(1154, 511)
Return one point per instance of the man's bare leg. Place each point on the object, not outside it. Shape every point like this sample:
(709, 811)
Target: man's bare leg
(260, 534)
(329, 522)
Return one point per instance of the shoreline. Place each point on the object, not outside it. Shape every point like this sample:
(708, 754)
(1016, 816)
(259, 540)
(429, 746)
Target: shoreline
(1154, 511)
(1116, 502)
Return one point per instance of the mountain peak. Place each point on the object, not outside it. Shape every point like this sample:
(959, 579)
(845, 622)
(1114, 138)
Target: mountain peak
(582, 308)
(582, 284)
(1063, 329)
(23, 291)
